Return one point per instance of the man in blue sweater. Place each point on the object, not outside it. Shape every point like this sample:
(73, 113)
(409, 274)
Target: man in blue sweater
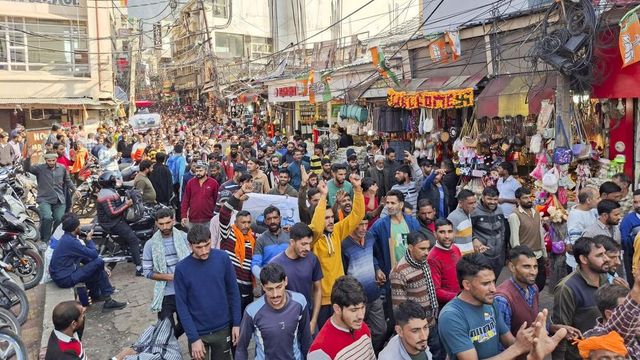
(74, 261)
(207, 298)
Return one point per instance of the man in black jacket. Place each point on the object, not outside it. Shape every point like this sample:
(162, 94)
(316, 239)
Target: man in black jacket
(434, 190)
(161, 179)
(390, 167)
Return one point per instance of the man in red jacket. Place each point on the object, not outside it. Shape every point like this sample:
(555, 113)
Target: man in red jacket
(442, 260)
(199, 200)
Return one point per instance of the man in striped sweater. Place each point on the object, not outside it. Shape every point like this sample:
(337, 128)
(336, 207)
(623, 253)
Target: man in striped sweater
(411, 280)
(238, 241)
(403, 176)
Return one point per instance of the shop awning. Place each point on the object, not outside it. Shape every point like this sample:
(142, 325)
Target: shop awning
(443, 83)
(515, 95)
(52, 102)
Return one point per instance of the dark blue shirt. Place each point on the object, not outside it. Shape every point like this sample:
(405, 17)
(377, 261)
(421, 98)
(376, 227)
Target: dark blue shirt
(207, 295)
(69, 254)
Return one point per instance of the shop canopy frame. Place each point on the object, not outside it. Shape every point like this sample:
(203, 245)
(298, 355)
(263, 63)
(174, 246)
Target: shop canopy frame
(514, 95)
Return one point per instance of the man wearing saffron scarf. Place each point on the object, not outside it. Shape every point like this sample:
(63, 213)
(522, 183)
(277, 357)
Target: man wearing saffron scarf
(238, 241)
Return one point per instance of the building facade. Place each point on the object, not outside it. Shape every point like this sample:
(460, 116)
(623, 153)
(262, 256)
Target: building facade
(56, 62)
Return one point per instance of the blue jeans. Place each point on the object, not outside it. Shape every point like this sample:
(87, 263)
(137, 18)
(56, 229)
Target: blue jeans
(50, 218)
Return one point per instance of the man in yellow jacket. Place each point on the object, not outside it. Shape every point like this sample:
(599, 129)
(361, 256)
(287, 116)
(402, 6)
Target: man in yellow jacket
(327, 240)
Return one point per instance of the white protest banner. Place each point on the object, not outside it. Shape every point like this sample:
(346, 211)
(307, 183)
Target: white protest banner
(288, 206)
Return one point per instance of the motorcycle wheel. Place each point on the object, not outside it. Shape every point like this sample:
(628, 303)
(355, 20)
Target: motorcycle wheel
(84, 206)
(9, 320)
(11, 346)
(15, 300)
(29, 267)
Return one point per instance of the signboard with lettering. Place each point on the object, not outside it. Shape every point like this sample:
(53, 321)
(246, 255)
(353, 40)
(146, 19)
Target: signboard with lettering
(52, 2)
(36, 139)
(451, 99)
(283, 93)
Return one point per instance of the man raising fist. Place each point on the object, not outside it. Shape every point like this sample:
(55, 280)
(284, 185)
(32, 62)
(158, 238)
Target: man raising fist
(327, 240)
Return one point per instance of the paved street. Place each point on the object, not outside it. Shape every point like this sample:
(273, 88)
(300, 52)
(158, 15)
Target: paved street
(106, 333)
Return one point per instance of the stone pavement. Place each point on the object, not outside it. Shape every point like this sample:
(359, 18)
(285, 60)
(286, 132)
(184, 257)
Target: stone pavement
(106, 333)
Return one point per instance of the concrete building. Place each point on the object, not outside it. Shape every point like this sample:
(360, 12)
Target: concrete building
(56, 61)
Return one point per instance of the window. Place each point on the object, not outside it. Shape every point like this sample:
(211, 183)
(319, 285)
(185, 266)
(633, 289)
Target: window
(220, 9)
(230, 43)
(57, 47)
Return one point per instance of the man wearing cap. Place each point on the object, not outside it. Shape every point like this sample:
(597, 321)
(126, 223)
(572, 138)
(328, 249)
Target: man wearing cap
(53, 179)
(199, 200)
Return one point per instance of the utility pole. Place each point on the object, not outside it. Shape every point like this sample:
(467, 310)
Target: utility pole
(214, 75)
(135, 56)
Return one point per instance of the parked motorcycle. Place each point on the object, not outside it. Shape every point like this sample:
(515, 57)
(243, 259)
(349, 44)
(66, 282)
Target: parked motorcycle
(114, 250)
(11, 201)
(24, 259)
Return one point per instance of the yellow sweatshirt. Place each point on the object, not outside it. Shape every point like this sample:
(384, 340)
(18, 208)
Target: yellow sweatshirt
(328, 246)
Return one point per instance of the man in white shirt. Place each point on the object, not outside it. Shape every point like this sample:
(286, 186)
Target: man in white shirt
(507, 186)
(581, 217)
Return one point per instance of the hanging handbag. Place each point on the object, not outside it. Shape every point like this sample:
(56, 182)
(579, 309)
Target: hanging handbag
(581, 150)
(549, 132)
(562, 155)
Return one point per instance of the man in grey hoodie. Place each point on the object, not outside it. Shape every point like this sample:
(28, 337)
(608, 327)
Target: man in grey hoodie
(412, 331)
(489, 229)
(403, 176)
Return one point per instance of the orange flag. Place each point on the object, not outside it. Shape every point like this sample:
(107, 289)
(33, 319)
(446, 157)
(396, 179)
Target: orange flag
(629, 40)
(438, 50)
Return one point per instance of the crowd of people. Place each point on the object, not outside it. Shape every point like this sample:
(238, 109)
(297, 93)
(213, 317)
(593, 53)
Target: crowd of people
(390, 259)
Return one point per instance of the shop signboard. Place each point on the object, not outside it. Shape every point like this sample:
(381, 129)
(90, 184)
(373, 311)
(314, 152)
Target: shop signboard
(290, 92)
(35, 140)
(451, 99)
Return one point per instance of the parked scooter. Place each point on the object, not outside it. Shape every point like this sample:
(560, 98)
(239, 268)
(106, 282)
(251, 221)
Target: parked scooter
(21, 254)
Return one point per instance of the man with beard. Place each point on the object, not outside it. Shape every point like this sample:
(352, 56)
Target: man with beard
(288, 155)
(240, 176)
(411, 279)
(53, 180)
(338, 183)
(489, 228)
(443, 259)
(209, 314)
(346, 335)
(507, 186)
(376, 172)
(629, 228)
(403, 177)
(65, 340)
(436, 192)
(354, 167)
(271, 242)
(162, 180)
(390, 232)
(238, 241)
(469, 326)
(609, 215)
(328, 236)
(526, 229)
(278, 321)
(199, 200)
(295, 168)
(159, 258)
(390, 168)
(260, 180)
(426, 217)
(581, 217)
(230, 161)
(359, 262)
(412, 332)
(326, 170)
(273, 171)
(574, 297)
(303, 269)
(516, 299)
(283, 187)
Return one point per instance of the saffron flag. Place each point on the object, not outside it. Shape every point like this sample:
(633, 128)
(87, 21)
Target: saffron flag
(629, 40)
(438, 50)
(124, 3)
(454, 43)
(383, 68)
(319, 86)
